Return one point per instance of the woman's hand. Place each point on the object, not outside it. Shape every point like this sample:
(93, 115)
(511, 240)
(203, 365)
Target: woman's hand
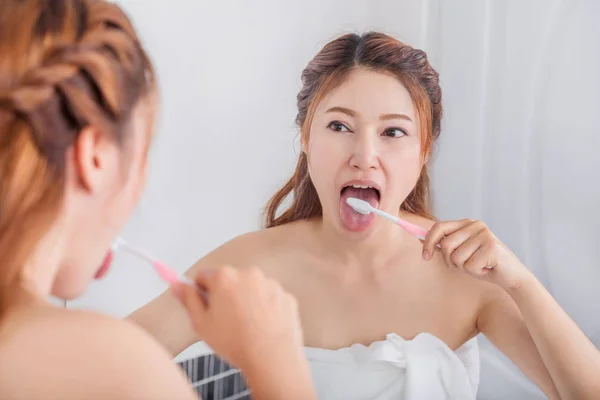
(248, 319)
(252, 323)
(472, 247)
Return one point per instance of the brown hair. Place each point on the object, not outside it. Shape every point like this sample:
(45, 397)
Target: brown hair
(330, 67)
(64, 65)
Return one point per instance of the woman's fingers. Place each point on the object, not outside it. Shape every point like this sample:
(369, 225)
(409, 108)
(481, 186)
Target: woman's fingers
(439, 232)
(482, 261)
(194, 304)
(462, 244)
(465, 244)
(249, 319)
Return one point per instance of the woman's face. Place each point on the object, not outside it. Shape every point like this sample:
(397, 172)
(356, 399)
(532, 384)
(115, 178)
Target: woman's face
(101, 201)
(364, 142)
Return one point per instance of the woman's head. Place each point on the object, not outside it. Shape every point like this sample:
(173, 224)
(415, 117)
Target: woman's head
(369, 111)
(76, 105)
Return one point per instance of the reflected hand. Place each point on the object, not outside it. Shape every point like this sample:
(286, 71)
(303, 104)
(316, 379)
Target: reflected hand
(472, 247)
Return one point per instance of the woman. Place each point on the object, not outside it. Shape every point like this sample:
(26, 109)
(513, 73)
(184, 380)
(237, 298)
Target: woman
(384, 315)
(77, 95)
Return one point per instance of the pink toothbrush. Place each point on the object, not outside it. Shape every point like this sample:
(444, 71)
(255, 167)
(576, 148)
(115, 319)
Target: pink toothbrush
(364, 207)
(164, 272)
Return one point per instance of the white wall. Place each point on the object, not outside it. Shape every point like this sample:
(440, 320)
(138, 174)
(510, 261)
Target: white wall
(229, 73)
(518, 147)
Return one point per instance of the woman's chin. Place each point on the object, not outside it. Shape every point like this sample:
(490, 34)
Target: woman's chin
(70, 291)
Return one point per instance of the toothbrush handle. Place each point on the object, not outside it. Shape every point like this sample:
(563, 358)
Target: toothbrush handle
(414, 230)
(422, 238)
(409, 227)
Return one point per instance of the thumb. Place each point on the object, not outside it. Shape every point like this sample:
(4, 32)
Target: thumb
(205, 278)
(195, 305)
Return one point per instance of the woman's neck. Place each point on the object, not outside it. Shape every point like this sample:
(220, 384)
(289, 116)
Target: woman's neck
(39, 273)
(369, 250)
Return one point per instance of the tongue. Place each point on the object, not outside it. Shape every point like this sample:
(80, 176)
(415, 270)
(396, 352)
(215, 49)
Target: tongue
(351, 219)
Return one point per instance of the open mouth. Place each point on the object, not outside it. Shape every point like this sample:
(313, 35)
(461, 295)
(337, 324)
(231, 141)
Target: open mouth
(370, 194)
(351, 219)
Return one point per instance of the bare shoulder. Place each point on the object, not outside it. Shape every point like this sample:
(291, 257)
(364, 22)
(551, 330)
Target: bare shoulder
(249, 249)
(81, 354)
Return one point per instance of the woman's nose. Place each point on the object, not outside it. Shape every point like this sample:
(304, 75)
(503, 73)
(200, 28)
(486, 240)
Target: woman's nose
(365, 153)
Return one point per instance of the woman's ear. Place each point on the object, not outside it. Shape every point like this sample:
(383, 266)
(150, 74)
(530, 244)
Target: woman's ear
(425, 159)
(303, 145)
(304, 141)
(93, 157)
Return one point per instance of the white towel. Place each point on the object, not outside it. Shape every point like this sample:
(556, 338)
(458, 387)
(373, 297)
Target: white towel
(423, 368)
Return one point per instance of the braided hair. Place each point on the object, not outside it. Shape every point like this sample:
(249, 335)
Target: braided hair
(64, 65)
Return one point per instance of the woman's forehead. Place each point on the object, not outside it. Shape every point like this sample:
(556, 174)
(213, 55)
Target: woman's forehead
(370, 94)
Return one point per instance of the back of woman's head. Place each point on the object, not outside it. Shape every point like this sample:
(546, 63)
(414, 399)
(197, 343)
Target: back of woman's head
(65, 65)
(329, 69)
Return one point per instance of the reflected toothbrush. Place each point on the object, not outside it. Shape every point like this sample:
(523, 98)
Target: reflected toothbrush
(363, 207)
(163, 271)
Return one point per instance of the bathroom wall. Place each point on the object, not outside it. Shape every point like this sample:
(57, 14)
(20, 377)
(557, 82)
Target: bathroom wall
(518, 147)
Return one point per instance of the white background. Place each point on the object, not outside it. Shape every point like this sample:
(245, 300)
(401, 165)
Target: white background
(518, 147)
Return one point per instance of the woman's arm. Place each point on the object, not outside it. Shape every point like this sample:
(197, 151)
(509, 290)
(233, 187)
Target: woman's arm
(571, 358)
(502, 323)
(543, 341)
(166, 320)
(274, 382)
(525, 322)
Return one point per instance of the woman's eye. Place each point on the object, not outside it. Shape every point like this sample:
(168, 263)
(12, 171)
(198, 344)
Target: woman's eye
(394, 132)
(338, 127)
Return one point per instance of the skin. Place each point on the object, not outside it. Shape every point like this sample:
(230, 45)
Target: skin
(356, 287)
(85, 355)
